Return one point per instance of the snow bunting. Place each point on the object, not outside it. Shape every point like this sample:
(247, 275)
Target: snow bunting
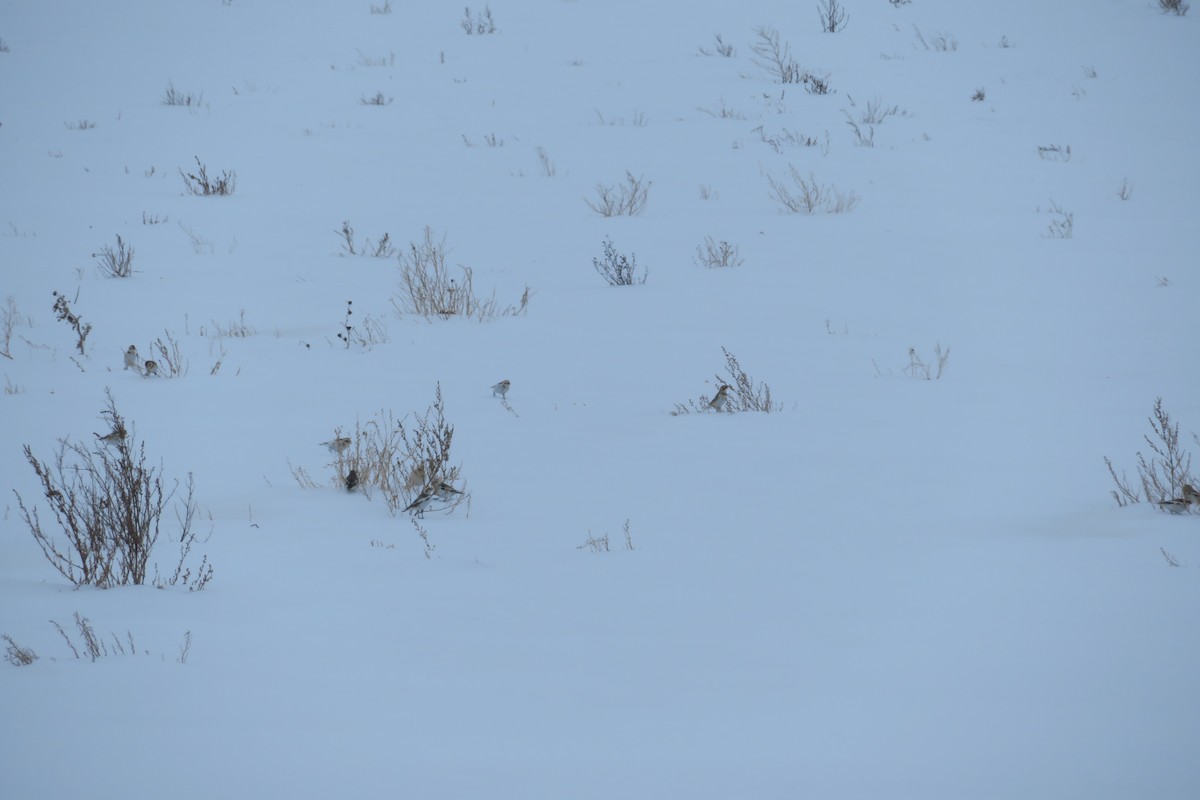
(418, 506)
(131, 359)
(718, 402)
(1190, 495)
(1181, 505)
(1175, 506)
(114, 438)
(151, 368)
(337, 445)
(415, 478)
(446, 492)
(501, 388)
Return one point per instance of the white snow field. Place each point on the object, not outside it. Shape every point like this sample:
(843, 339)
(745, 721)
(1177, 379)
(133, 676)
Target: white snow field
(888, 587)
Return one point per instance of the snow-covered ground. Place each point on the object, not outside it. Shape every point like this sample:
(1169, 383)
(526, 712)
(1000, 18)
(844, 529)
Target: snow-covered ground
(890, 588)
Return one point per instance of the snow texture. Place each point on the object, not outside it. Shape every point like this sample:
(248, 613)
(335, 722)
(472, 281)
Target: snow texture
(891, 587)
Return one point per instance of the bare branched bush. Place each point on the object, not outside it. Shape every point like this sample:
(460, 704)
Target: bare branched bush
(1063, 227)
(377, 99)
(618, 269)
(427, 287)
(717, 254)
(1054, 152)
(430, 547)
(601, 544)
(743, 393)
(199, 183)
(785, 138)
(402, 460)
(815, 84)
(723, 111)
(380, 249)
(63, 313)
(173, 97)
(720, 48)
(861, 138)
(918, 367)
(480, 23)
(597, 544)
(833, 16)
(940, 42)
(17, 655)
(170, 360)
(116, 263)
(638, 120)
(92, 645)
(876, 112)
(546, 167)
(10, 320)
(235, 329)
(347, 234)
(109, 506)
(1165, 472)
(627, 199)
(806, 196)
(774, 56)
(365, 334)
(1176, 7)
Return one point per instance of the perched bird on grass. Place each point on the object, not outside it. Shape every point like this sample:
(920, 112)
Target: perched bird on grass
(501, 388)
(151, 368)
(337, 445)
(114, 438)
(132, 360)
(718, 402)
(415, 478)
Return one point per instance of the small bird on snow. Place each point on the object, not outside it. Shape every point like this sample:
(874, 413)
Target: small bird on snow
(337, 445)
(352, 480)
(718, 402)
(1182, 505)
(1175, 506)
(132, 361)
(151, 368)
(418, 506)
(501, 388)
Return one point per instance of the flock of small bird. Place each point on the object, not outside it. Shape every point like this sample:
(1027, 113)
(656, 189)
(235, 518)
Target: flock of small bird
(430, 492)
(440, 491)
(445, 492)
